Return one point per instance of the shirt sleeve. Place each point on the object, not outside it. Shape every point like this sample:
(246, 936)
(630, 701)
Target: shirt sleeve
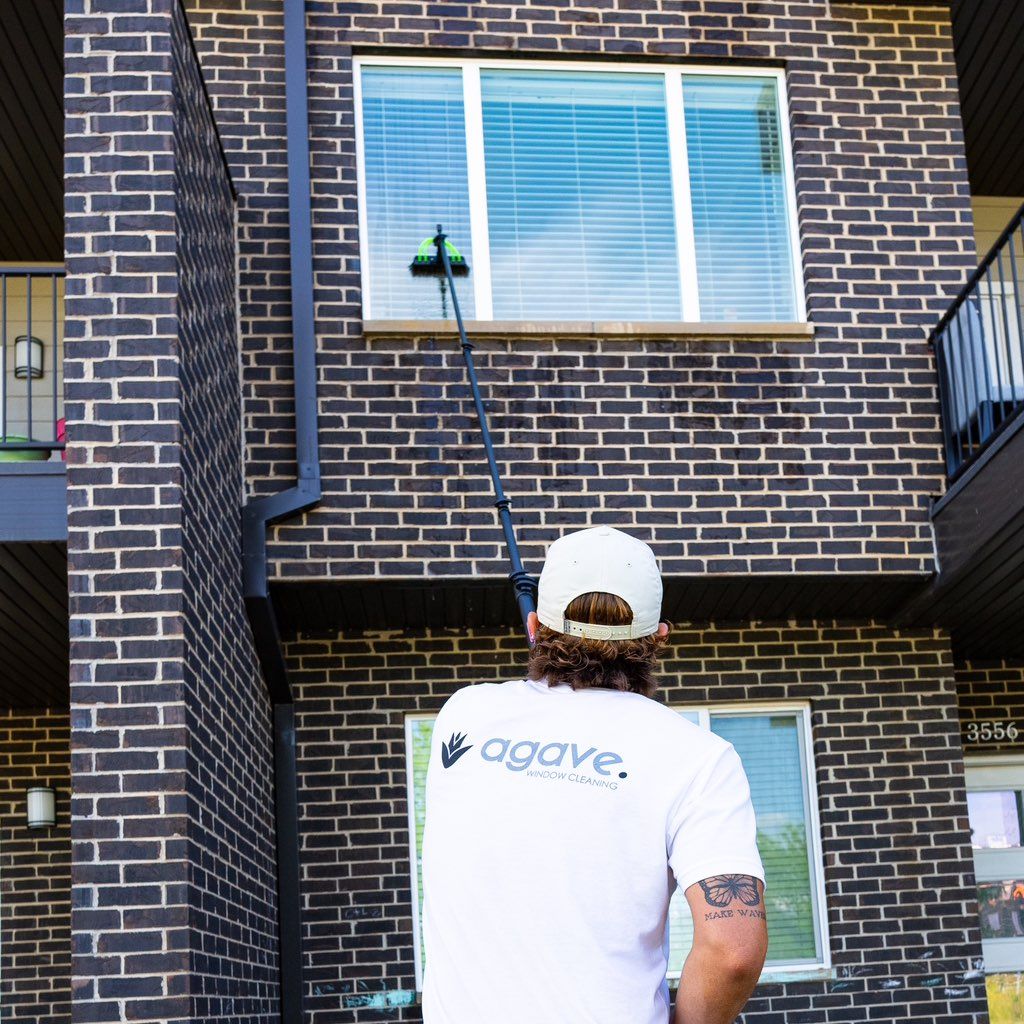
(711, 828)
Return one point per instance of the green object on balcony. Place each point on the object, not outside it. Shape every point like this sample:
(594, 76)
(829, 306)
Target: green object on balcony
(8, 454)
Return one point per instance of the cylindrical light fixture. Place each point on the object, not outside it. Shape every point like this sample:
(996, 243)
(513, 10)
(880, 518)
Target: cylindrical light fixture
(28, 352)
(40, 807)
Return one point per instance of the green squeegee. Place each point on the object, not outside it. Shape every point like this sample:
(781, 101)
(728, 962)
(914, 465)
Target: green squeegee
(428, 263)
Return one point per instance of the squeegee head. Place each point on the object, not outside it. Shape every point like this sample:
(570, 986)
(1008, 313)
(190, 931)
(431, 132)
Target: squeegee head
(427, 262)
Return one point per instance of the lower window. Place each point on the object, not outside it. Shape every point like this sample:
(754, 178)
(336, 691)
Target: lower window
(773, 743)
(995, 804)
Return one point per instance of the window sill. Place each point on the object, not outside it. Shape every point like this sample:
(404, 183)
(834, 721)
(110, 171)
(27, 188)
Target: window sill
(781, 976)
(586, 329)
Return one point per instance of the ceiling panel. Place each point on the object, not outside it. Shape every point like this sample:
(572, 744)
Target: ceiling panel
(989, 40)
(31, 131)
(33, 625)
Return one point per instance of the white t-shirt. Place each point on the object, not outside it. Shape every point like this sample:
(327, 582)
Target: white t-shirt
(558, 823)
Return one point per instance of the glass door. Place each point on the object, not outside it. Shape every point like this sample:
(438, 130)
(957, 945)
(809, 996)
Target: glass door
(995, 802)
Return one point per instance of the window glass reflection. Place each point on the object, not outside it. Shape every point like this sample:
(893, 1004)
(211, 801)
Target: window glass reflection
(995, 819)
(578, 176)
(1001, 908)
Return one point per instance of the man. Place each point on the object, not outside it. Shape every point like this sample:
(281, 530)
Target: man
(563, 809)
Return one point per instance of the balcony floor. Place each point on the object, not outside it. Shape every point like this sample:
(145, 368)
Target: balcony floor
(33, 501)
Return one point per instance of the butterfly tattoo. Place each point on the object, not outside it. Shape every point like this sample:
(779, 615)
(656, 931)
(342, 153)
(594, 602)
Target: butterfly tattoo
(721, 890)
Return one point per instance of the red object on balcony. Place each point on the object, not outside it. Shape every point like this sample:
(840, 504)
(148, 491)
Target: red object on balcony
(62, 437)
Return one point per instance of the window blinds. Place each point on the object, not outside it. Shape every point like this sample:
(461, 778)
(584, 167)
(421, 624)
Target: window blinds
(770, 749)
(738, 196)
(414, 146)
(579, 196)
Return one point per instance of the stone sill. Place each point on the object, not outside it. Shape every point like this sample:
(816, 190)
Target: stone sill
(586, 329)
(775, 976)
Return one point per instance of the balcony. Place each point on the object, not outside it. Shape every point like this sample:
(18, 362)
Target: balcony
(979, 350)
(33, 498)
(31, 351)
(978, 593)
(32, 479)
(33, 492)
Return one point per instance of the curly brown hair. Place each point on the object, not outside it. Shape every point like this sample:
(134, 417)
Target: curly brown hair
(606, 664)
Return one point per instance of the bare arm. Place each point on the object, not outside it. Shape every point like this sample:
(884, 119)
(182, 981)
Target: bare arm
(730, 941)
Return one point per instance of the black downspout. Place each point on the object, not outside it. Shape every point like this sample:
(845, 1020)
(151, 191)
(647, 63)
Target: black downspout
(260, 513)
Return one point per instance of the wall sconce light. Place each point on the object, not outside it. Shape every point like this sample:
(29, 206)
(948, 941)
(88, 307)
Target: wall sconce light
(40, 807)
(26, 346)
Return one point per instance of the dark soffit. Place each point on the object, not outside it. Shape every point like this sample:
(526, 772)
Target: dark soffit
(325, 608)
(989, 40)
(31, 130)
(33, 625)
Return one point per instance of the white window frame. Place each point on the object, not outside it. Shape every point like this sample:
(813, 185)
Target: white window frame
(672, 75)
(414, 854)
(784, 972)
(772, 973)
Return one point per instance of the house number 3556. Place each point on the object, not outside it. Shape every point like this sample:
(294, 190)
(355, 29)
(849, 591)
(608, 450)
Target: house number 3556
(991, 732)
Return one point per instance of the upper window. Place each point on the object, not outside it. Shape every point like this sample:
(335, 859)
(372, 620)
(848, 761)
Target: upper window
(773, 743)
(577, 192)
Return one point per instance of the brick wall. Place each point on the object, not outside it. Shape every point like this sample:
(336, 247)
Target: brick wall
(35, 870)
(241, 49)
(887, 755)
(230, 785)
(122, 401)
(172, 840)
(693, 441)
(778, 454)
(991, 691)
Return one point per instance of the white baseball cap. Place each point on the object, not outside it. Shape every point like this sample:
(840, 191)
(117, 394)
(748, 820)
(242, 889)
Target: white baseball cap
(606, 561)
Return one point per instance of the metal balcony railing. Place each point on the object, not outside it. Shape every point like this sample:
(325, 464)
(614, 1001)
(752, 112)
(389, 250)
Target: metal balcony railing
(979, 349)
(31, 358)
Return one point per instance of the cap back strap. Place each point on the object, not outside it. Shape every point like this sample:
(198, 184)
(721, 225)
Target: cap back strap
(597, 631)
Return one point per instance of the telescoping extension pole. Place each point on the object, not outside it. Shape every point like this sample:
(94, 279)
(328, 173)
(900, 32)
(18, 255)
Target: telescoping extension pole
(523, 583)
